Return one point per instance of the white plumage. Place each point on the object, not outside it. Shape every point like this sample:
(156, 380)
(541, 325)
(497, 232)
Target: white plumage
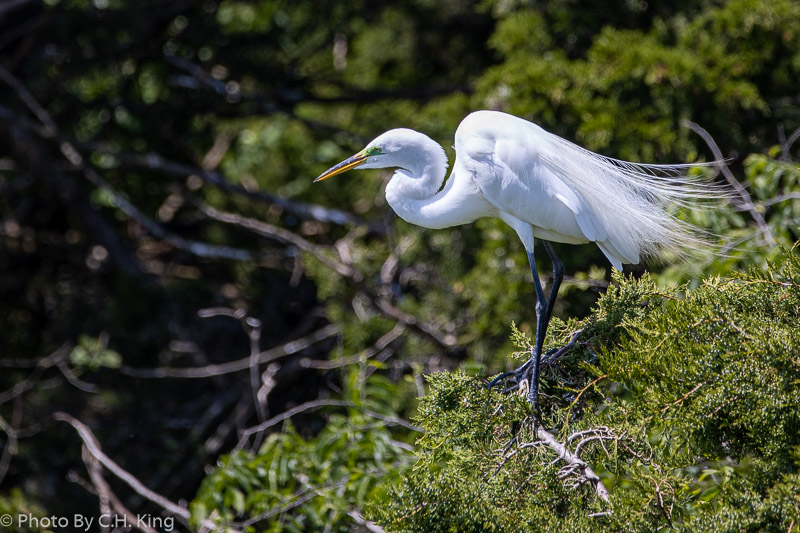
(542, 186)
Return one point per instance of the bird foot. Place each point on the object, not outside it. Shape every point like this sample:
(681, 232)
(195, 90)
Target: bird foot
(520, 378)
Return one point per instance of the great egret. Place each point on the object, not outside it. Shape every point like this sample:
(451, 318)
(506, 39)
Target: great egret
(541, 185)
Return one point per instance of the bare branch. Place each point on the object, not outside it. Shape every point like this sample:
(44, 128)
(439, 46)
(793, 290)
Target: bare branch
(359, 519)
(157, 162)
(786, 144)
(280, 234)
(393, 420)
(275, 420)
(106, 495)
(49, 130)
(75, 158)
(355, 277)
(299, 499)
(781, 198)
(33, 378)
(74, 380)
(573, 460)
(746, 200)
(28, 99)
(10, 449)
(93, 447)
(682, 398)
(233, 366)
(368, 353)
(317, 404)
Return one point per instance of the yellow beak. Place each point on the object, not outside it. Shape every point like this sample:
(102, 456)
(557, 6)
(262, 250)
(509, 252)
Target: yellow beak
(344, 166)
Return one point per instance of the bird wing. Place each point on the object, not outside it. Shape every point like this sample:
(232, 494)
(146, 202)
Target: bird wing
(573, 195)
(510, 174)
(523, 171)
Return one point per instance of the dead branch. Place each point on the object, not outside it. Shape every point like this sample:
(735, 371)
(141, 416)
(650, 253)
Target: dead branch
(49, 130)
(573, 461)
(93, 448)
(317, 404)
(280, 234)
(359, 519)
(244, 363)
(368, 353)
(786, 144)
(275, 420)
(106, 496)
(299, 499)
(354, 277)
(12, 438)
(69, 151)
(746, 201)
(58, 356)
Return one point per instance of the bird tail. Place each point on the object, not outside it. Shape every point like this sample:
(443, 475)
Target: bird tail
(637, 203)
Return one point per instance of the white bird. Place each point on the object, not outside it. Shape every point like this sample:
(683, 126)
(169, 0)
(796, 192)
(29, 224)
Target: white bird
(541, 185)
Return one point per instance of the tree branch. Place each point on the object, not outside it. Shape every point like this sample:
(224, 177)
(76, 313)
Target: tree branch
(746, 201)
(355, 277)
(233, 366)
(93, 447)
(572, 459)
(106, 495)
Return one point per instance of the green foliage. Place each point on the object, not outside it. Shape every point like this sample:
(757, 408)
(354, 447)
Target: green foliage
(302, 483)
(269, 93)
(699, 388)
(14, 505)
(626, 87)
(93, 353)
(772, 185)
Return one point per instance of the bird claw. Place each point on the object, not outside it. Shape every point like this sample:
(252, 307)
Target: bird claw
(520, 378)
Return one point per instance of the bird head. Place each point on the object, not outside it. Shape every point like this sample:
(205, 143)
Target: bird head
(384, 151)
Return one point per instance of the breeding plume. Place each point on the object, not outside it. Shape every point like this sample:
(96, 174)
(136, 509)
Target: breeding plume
(541, 185)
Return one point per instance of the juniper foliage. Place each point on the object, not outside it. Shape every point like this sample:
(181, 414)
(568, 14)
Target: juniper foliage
(696, 389)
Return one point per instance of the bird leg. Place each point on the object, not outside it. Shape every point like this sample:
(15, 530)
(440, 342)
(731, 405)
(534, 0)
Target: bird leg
(543, 314)
(544, 310)
(558, 277)
(541, 327)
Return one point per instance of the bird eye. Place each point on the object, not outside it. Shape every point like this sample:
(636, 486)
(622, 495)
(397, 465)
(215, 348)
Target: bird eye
(373, 150)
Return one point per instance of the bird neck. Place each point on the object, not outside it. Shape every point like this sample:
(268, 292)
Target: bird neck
(416, 183)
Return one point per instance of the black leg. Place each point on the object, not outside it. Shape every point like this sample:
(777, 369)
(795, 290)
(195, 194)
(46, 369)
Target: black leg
(558, 277)
(541, 328)
(544, 310)
(543, 314)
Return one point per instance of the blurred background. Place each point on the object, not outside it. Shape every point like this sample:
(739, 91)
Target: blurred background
(170, 276)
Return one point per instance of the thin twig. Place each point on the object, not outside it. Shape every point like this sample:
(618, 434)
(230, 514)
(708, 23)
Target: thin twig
(244, 363)
(747, 201)
(355, 277)
(271, 231)
(43, 364)
(317, 404)
(364, 355)
(300, 499)
(12, 436)
(307, 406)
(786, 144)
(682, 398)
(359, 519)
(106, 496)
